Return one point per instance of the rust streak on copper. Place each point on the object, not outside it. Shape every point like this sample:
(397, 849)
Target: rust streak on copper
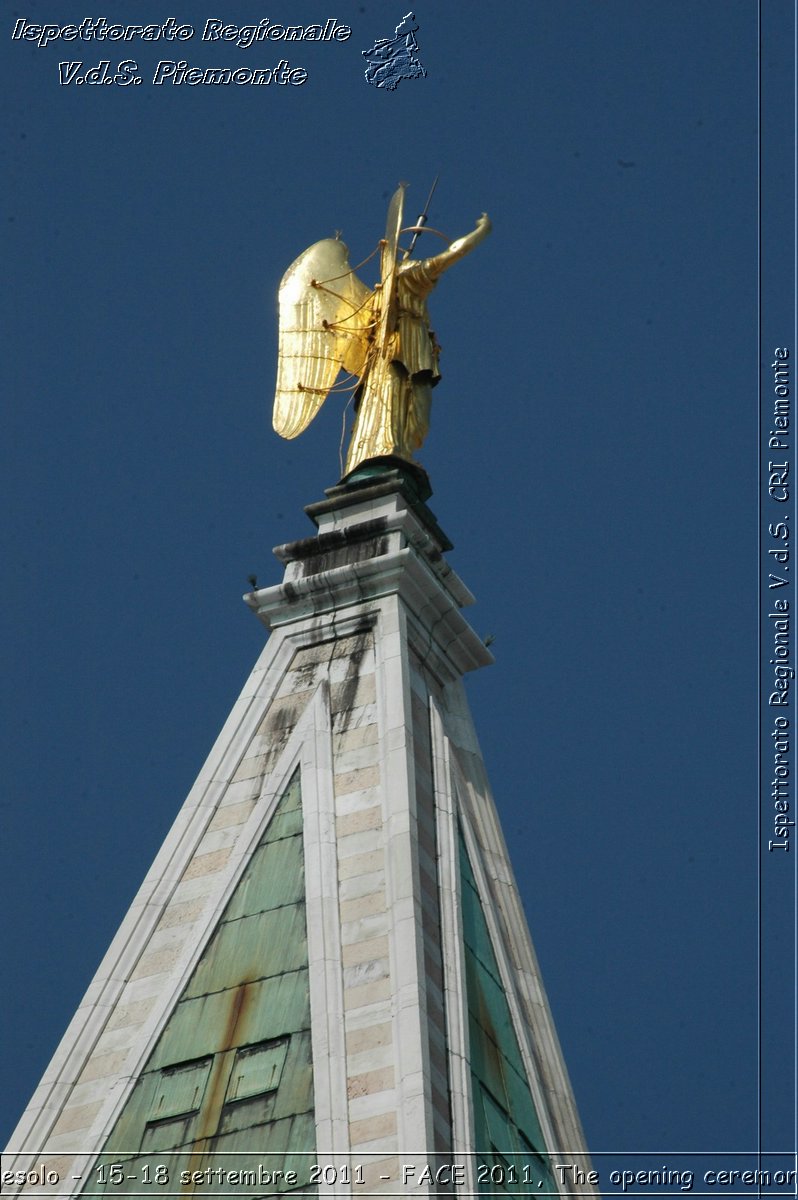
(217, 1083)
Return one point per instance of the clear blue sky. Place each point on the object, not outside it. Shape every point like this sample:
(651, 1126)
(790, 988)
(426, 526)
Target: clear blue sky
(593, 458)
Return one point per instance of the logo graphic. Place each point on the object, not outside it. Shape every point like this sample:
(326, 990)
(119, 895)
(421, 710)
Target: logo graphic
(393, 59)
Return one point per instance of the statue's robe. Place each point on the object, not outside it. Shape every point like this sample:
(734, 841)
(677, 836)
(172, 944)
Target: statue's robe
(395, 396)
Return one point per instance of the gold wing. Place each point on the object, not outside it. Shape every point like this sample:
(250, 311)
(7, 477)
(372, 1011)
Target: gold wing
(388, 264)
(325, 320)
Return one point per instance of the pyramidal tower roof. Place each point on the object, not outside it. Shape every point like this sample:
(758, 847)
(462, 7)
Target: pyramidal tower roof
(325, 985)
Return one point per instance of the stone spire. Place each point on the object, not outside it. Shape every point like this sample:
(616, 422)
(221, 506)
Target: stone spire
(326, 979)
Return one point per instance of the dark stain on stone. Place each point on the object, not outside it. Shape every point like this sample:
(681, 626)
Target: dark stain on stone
(360, 644)
(282, 718)
(306, 675)
(336, 548)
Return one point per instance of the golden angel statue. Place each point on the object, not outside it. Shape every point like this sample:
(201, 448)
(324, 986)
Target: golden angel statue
(330, 321)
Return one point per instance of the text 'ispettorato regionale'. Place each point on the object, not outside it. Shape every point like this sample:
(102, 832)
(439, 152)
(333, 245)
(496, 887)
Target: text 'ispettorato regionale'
(98, 29)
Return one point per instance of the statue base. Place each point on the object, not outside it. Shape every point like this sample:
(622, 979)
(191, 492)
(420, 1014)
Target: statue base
(361, 496)
(374, 470)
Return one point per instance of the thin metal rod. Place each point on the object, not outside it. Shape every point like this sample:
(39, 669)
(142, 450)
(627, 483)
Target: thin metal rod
(422, 220)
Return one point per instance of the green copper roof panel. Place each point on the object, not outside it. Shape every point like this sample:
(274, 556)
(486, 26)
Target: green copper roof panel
(235, 953)
(180, 1089)
(256, 1011)
(507, 1132)
(230, 1082)
(276, 878)
(257, 1069)
(286, 823)
(296, 1084)
(493, 1012)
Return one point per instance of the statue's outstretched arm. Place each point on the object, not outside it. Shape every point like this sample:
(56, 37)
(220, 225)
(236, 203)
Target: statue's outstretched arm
(459, 248)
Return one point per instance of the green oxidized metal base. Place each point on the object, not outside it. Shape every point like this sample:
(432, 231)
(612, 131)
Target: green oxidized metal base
(377, 469)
